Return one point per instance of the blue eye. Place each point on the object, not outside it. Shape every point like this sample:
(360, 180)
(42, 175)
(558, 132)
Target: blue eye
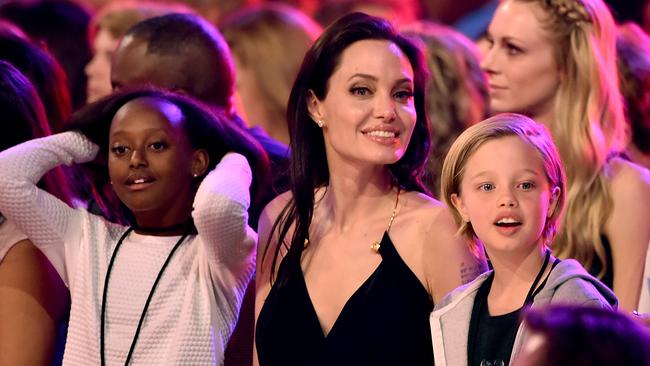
(486, 187)
(527, 186)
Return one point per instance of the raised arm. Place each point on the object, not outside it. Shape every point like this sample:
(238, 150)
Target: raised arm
(220, 215)
(42, 217)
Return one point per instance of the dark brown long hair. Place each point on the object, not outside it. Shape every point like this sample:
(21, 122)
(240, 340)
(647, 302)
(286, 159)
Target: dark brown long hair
(308, 167)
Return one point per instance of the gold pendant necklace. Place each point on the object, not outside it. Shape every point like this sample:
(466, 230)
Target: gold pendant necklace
(376, 244)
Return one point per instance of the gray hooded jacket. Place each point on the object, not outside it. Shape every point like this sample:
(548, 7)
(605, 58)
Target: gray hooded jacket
(568, 283)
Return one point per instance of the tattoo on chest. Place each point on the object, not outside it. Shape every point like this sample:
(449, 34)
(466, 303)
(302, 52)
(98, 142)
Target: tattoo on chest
(469, 271)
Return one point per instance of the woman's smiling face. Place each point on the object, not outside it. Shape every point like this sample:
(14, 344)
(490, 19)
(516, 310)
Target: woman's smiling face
(368, 113)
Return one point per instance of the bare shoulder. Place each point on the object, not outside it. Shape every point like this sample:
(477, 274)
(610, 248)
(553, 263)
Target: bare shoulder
(629, 188)
(419, 205)
(445, 258)
(430, 216)
(271, 212)
(266, 225)
(273, 208)
(627, 178)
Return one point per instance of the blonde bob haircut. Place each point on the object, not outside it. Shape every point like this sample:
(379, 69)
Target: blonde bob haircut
(496, 127)
(589, 125)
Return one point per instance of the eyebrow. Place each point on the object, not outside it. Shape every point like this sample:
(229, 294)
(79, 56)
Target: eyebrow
(364, 76)
(374, 78)
(148, 130)
(506, 38)
(487, 172)
(513, 39)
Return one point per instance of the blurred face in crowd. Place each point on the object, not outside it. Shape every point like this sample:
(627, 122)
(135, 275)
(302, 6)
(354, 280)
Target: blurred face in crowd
(98, 70)
(518, 57)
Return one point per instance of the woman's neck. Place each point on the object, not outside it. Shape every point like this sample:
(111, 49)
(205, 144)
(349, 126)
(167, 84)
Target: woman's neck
(545, 116)
(354, 194)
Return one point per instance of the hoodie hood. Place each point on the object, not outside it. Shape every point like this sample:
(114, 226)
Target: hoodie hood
(569, 275)
(568, 282)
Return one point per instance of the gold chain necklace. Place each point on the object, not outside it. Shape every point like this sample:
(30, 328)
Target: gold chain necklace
(375, 244)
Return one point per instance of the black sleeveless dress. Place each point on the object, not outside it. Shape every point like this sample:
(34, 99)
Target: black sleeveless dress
(597, 265)
(385, 322)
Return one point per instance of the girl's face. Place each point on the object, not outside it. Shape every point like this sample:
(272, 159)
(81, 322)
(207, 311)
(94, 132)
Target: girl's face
(368, 112)
(151, 163)
(518, 57)
(505, 195)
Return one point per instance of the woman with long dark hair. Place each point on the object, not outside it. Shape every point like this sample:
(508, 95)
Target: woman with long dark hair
(352, 259)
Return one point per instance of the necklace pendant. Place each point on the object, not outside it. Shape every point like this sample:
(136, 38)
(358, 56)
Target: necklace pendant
(375, 246)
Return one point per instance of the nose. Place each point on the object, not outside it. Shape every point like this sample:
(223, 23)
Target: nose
(138, 158)
(385, 107)
(488, 61)
(91, 66)
(507, 199)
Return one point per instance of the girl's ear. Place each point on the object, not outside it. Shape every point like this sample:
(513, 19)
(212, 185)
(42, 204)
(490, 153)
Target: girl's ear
(553, 201)
(460, 206)
(314, 107)
(200, 162)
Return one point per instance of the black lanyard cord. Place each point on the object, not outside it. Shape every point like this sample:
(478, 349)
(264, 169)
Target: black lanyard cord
(146, 304)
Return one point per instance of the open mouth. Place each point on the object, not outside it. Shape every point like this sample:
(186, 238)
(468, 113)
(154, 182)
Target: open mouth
(382, 134)
(508, 222)
(137, 180)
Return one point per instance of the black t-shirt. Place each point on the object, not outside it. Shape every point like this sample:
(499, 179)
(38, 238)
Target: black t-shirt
(491, 338)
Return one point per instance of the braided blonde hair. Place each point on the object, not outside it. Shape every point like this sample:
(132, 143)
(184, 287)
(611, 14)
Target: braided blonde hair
(589, 126)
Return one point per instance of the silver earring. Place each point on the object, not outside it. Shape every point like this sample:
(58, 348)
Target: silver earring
(320, 123)
(195, 175)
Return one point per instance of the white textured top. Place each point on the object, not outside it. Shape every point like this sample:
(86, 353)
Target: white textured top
(196, 302)
(9, 236)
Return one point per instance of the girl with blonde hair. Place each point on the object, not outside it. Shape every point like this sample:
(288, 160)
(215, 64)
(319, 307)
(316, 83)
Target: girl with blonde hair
(555, 61)
(505, 181)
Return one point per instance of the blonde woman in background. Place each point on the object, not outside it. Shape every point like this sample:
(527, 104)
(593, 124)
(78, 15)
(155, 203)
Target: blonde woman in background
(457, 95)
(268, 44)
(555, 61)
(105, 31)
